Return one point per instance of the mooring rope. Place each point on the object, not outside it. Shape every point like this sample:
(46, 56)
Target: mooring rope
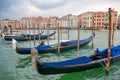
(103, 64)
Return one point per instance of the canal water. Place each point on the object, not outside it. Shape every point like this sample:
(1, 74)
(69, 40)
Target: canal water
(14, 66)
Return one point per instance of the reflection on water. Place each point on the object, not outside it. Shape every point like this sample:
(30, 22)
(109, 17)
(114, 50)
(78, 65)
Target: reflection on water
(14, 66)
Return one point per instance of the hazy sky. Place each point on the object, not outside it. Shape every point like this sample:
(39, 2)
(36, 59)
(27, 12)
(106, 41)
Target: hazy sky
(17, 9)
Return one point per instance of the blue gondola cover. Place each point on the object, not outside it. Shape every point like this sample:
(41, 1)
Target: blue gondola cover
(43, 47)
(76, 61)
(115, 50)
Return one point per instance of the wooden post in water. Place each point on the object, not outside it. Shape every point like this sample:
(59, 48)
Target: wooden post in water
(112, 25)
(22, 28)
(54, 34)
(26, 27)
(78, 44)
(19, 29)
(48, 33)
(113, 34)
(68, 34)
(109, 43)
(34, 32)
(58, 40)
(39, 31)
(30, 32)
(92, 31)
(45, 31)
(61, 33)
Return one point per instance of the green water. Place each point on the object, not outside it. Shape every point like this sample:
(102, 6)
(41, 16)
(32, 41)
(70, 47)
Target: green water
(14, 66)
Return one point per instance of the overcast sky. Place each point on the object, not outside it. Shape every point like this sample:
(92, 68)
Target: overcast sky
(17, 9)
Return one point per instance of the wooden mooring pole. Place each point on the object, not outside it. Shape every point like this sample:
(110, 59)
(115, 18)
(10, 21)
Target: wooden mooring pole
(61, 33)
(30, 32)
(68, 34)
(48, 34)
(113, 34)
(92, 31)
(78, 44)
(58, 40)
(54, 34)
(39, 31)
(34, 33)
(109, 43)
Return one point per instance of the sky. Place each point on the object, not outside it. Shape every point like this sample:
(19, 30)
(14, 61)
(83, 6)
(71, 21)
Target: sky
(17, 9)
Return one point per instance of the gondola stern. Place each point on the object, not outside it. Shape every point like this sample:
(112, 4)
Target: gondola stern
(18, 49)
(34, 53)
(93, 34)
(38, 63)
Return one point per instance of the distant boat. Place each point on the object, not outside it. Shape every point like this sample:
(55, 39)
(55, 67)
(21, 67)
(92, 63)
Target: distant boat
(14, 36)
(64, 46)
(77, 64)
(27, 37)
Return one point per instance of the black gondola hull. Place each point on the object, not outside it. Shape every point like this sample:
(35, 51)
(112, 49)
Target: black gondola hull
(55, 50)
(75, 68)
(24, 38)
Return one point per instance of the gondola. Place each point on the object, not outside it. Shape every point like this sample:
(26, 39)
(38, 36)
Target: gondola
(31, 35)
(64, 46)
(22, 35)
(28, 37)
(77, 64)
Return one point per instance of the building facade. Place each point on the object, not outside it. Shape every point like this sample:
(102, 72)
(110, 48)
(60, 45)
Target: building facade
(97, 20)
(106, 19)
(68, 21)
(87, 20)
(118, 22)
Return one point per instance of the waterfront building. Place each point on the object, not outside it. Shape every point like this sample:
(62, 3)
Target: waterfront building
(34, 22)
(87, 20)
(98, 20)
(7, 22)
(28, 22)
(80, 20)
(53, 21)
(68, 21)
(4, 25)
(106, 19)
(14, 23)
(45, 22)
(4, 22)
(118, 22)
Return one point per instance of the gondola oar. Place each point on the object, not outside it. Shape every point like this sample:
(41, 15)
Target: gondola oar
(109, 43)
